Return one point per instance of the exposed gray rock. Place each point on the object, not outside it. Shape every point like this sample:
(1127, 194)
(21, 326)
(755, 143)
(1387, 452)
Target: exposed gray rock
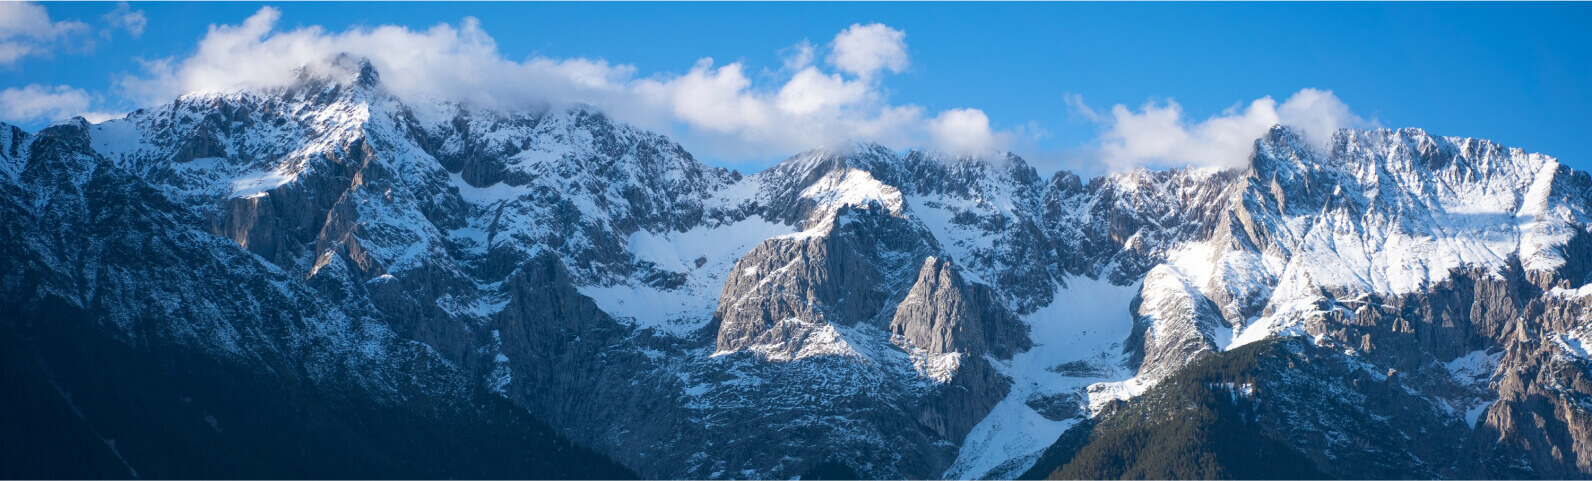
(944, 314)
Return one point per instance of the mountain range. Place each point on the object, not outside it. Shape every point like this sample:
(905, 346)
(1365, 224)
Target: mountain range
(325, 280)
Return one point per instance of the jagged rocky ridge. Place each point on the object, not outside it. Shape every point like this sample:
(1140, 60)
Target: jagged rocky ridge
(917, 315)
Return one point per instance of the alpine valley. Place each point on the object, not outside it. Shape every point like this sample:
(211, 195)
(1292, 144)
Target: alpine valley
(322, 280)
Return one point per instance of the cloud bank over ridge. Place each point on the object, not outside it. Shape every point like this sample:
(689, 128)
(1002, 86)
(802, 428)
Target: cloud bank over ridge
(1157, 135)
(718, 104)
(823, 93)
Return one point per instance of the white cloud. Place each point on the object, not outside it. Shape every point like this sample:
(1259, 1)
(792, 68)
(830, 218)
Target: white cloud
(1075, 102)
(717, 110)
(798, 56)
(966, 132)
(715, 99)
(459, 63)
(863, 50)
(1317, 114)
(125, 18)
(26, 29)
(38, 102)
(1157, 135)
(812, 91)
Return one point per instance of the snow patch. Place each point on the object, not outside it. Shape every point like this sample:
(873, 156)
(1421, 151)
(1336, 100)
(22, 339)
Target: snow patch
(501, 375)
(256, 186)
(487, 195)
(1103, 393)
(1084, 327)
(680, 310)
(1474, 413)
(1473, 366)
(1575, 343)
(853, 187)
(679, 251)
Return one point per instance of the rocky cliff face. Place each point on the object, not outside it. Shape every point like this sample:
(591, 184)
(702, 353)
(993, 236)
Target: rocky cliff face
(914, 315)
(121, 301)
(1447, 268)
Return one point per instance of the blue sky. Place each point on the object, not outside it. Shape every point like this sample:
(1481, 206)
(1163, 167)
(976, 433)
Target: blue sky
(1519, 74)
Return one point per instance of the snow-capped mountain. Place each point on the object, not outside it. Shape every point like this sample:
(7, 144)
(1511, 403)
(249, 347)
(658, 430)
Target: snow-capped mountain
(851, 311)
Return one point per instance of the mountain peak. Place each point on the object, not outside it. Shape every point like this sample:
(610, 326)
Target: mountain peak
(343, 68)
(848, 148)
(866, 155)
(365, 74)
(1280, 134)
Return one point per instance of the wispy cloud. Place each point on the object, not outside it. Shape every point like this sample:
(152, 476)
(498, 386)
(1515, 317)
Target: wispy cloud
(27, 30)
(126, 19)
(37, 102)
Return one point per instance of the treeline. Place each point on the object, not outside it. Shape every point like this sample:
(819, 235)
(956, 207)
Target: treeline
(82, 405)
(1195, 424)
